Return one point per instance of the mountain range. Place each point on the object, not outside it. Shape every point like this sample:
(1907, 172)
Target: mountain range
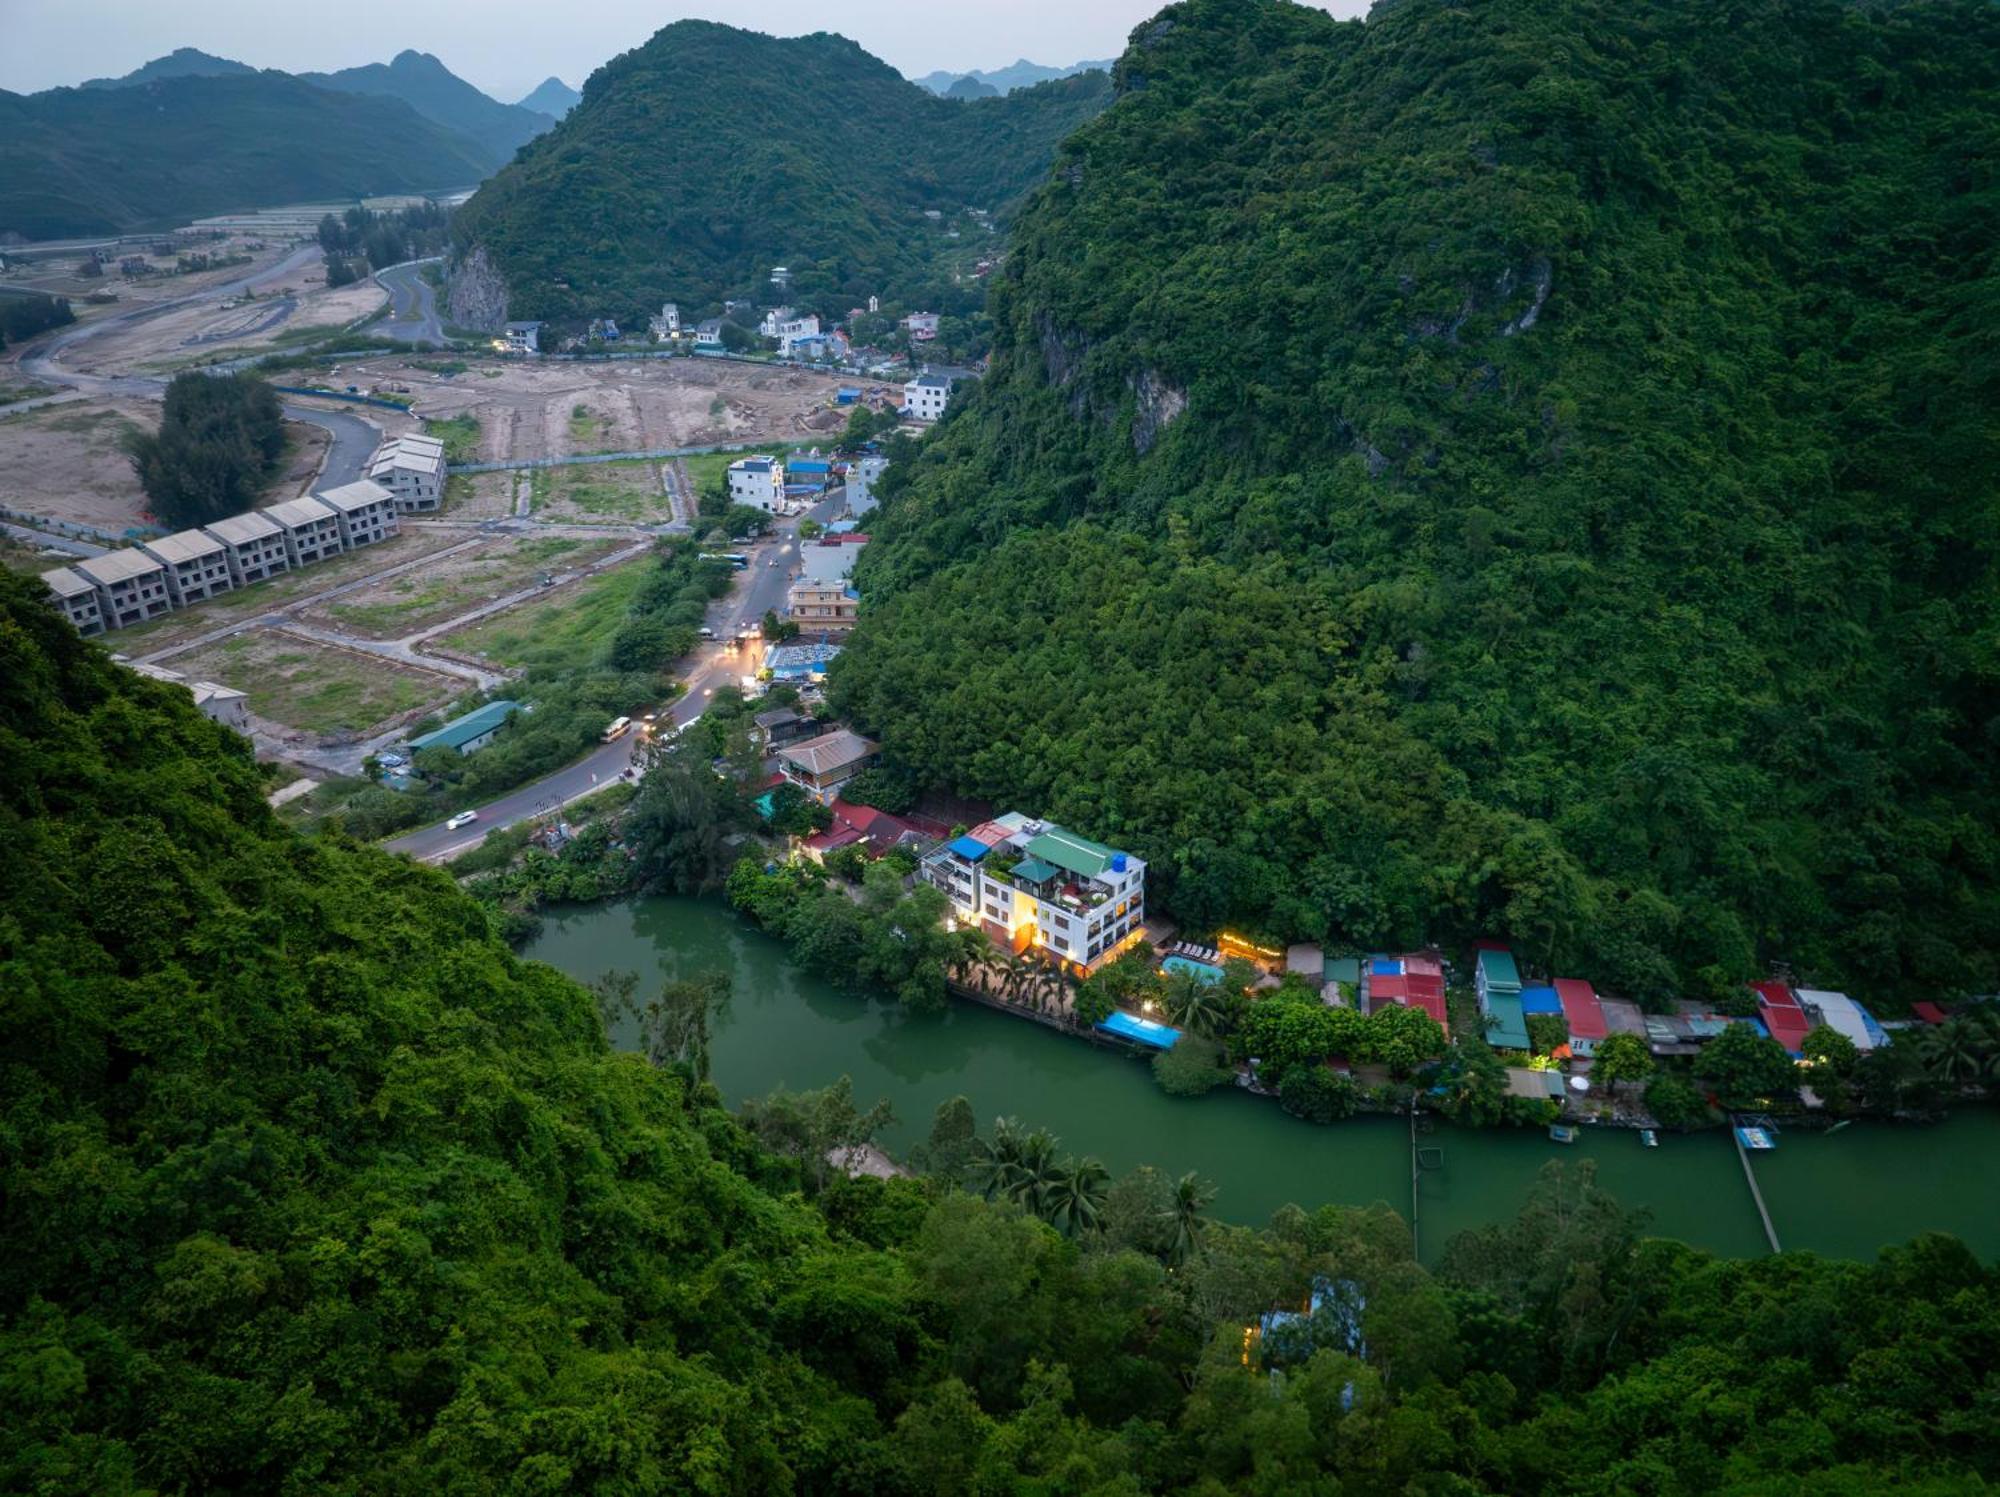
(653, 189)
(552, 97)
(1021, 74)
(191, 134)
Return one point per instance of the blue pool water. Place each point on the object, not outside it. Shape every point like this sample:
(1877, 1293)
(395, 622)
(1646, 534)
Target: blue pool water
(1208, 974)
(1145, 1031)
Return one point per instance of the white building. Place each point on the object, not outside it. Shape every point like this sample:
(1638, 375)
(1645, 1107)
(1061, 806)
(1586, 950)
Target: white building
(75, 596)
(861, 477)
(411, 468)
(921, 326)
(668, 323)
(366, 510)
(254, 546)
(789, 328)
(708, 334)
(197, 565)
(759, 481)
(926, 396)
(311, 529)
(216, 702)
(131, 586)
(522, 337)
(1033, 884)
(830, 559)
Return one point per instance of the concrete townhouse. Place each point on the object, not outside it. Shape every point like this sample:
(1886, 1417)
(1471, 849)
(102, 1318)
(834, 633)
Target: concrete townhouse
(861, 479)
(197, 565)
(522, 337)
(253, 545)
(75, 597)
(1036, 885)
(758, 481)
(822, 607)
(411, 468)
(926, 396)
(821, 766)
(311, 529)
(131, 586)
(367, 512)
(830, 558)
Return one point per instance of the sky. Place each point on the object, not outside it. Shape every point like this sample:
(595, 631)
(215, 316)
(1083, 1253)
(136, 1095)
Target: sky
(508, 46)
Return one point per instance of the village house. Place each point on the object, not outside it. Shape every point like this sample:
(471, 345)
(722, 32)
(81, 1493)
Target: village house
(470, 733)
(253, 544)
(783, 725)
(921, 326)
(216, 702)
(197, 565)
(708, 335)
(874, 832)
(926, 396)
(822, 607)
(758, 481)
(75, 597)
(862, 476)
(367, 512)
(1036, 885)
(831, 558)
(311, 529)
(820, 766)
(667, 325)
(131, 586)
(411, 468)
(522, 337)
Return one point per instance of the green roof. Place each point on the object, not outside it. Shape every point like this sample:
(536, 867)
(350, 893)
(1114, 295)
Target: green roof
(1032, 871)
(1067, 850)
(1343, 969)
(1499, 969)
(462, 730)
(1509, 1029)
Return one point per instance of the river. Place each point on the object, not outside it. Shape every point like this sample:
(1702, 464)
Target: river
(1846, 1194)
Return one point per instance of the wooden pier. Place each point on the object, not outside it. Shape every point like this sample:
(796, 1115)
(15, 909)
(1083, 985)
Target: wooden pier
(1756, 1195)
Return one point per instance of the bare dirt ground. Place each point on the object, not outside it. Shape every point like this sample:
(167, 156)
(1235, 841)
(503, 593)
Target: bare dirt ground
(397, 607)
(601, 494)
(481, 496)
(67, 462)
(528, 410)
(320, 690)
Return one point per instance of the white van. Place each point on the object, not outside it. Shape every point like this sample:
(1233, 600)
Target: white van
(619, 727)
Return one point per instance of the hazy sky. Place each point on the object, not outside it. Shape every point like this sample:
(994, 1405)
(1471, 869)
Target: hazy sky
(508, 46)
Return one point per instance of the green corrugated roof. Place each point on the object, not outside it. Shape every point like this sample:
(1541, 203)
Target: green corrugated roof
(1499, 969)
(1032, 871)
(1509, 1029)
(462, 730)
(1067, 850)
(1343, 969)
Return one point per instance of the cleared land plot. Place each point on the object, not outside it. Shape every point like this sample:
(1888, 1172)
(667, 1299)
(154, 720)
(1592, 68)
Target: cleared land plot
(567, 627)
(473, 496)
(601, 493)
(316, 688)
(286, 590)
(454, 585)
(68, 462)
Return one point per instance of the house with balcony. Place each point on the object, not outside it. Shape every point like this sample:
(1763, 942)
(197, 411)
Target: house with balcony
(197, 565)
(75, 597)
(311, 529)
(253, 545)
(927, 396)
(1034, 885)
(131, 586)
(411, 468)
(822, 607)
(821, 766)
(366, 511)
(758, 481)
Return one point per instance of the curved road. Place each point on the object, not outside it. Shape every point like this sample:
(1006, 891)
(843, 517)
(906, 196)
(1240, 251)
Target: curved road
(762, 588)
(354, 440)
(413, 314)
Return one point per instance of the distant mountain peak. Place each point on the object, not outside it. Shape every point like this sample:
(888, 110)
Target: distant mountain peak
(1020, 73)
(182, 62)
(552, 97)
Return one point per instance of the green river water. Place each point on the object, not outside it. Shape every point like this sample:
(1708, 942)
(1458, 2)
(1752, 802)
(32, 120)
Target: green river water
(1846, 1194)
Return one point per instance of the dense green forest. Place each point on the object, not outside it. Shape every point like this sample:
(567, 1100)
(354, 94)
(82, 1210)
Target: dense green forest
(442, 97)
(308, 1184)
(100, 160)
(1525, 469)
(697, 162)
(218, 447)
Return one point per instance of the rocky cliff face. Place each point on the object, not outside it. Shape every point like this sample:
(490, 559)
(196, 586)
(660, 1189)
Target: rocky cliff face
(475, 296)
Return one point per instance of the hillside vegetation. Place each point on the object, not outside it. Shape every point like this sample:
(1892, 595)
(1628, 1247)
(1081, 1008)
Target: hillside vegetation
(153, 155)
(698, 161)
(1525, 469)
(309, 1185)
(442, 97)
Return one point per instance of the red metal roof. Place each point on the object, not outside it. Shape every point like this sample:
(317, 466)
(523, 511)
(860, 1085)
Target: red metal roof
(1426, 993)
(1779, 1008)
(1419, 964)
(991, 833)
(1930, 1013)
(1581, 1009)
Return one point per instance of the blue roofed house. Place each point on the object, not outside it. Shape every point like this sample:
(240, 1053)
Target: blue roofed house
(470, 733)
(1031, 883)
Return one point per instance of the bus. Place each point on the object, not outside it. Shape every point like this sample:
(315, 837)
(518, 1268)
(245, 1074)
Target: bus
(618, 729)
(736, 559)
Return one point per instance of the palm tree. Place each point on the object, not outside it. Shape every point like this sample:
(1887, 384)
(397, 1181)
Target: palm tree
(1187, 1200)
(1194, 1005)
(1956, 1051)
(1036, 1172)
(996, 1167)
(1076, 1197)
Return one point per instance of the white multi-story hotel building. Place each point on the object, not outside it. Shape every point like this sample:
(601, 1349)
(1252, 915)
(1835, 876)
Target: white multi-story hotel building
(1033, 884)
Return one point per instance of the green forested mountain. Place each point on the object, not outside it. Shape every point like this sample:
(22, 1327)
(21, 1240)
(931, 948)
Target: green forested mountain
(307, 1184)
(1523, 469)
(182, 62)
(93, 161)
(442, 97)
(698, 161)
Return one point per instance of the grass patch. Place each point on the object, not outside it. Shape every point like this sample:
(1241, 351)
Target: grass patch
(600, 491)
(10, 393)
(460, 435)
(575, 624)
(311, 687)
(588, 430)
(420, 597)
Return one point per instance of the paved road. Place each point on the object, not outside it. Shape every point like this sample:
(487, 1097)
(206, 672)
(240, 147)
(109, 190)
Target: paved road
(354, 440)
(67, 543)
(413, 314)
(761, 588)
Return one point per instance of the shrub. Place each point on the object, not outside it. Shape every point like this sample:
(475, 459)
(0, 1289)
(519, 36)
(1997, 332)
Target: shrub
(1675, 1102)
(1192, 1068)
(1317, 1094)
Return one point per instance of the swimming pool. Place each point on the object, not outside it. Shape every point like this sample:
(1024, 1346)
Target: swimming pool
(1145, 1031)
(1193, 968)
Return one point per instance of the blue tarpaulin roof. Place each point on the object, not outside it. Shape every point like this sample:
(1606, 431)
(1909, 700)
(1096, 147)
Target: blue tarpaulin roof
(1389, 967)
(1145, 1031)
(1540, 1001)
(969, 849)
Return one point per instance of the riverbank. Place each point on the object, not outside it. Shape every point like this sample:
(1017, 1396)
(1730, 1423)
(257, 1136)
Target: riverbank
(1846, 1193)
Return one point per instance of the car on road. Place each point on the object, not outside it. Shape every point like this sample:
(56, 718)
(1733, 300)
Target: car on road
(705, 632)
(463, 818)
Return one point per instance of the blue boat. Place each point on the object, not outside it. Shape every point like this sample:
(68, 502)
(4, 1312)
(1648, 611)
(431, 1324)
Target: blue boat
(1562, 1133)
(1649, 1138)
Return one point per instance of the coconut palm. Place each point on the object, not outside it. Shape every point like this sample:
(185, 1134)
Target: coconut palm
(996, 1166)
(1957, 1051)
(1075, 1198)
(1194, 1005)
(1182, 1217)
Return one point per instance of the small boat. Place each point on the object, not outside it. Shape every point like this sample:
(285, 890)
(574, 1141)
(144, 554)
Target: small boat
(1649, 1138)
(1756, 1138)
(1562, 1133)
